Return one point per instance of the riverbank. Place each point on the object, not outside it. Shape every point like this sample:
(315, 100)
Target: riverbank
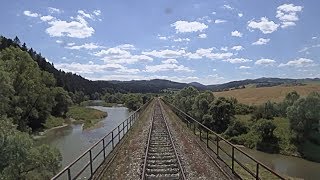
(283, 144)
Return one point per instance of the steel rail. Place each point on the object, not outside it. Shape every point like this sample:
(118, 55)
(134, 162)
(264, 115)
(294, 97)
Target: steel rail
(181, 171)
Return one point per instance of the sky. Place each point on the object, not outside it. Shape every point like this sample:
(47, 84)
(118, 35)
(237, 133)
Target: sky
(186, 41)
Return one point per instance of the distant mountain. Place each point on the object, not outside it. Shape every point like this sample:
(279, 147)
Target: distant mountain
(198, 85)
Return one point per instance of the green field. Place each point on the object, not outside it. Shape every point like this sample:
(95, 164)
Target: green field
(254, 96)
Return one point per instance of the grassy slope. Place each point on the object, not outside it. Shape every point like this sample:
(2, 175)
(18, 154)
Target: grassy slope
(260, 95)
(88, 116)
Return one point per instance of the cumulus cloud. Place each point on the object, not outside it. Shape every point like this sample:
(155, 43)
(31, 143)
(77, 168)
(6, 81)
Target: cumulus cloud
(265, 62)
(59, 41)
(88, 46)
(202, 36)
(244, 67)
(240, 14)
(54, 10)
(46, 18)
(208, 53)
(236, 34)
(185, 26)
(78, 28)
(261, 41)
(287, 14)
(126, 47)
(301, 62)
(237, 48)
(218, 21)
(162, 37)
(31, 14)
(224, 48)
(119, 56)
(97, 12)
(91, 68)
(264, 25)
(170, 61)
(237, 60)
(165, 53)
(167, 67)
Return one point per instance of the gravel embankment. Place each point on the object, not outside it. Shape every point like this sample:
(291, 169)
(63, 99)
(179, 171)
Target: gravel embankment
(127, 164)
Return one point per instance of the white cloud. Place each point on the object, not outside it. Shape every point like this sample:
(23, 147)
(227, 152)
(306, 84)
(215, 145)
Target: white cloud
(287, 14)
(167, 67)
(88, 46)
(54, 10)
(214, 13)
(59, 41)
(97, 12)
(301, 62)
(185, 26)
(75, 29)
(92, 68)
(170, 61)
(314, 37)
(200, 53)
(307, 48)
(265, 62)
(87, 15)
(244, 67)
(261, 41)
(236, 34)
(31, 14)
(126, 46)
(202, 36)
(226, 6)
(181, 39)
(264, 25)
(46, 18)
(240, 14)
(162, 37)
(237, 60)
(71, 44)
(287, 24)
(224, 48)
(237, 48)
(218, 21)
(165, 53)
(119, 56)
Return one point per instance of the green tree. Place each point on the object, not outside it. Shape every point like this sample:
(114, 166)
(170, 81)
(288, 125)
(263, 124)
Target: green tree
(30, 97)
(62, 102)
(222, 111)
(21, 159)
(304, 116)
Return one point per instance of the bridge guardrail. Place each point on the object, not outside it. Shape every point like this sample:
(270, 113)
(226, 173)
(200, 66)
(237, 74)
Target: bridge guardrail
(222, 151)
(89, 162)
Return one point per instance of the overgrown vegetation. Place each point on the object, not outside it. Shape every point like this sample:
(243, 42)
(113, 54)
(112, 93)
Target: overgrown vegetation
(289, 127)
(87, 116)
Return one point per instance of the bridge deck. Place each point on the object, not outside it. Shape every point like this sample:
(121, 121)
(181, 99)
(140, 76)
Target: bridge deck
(128, 161)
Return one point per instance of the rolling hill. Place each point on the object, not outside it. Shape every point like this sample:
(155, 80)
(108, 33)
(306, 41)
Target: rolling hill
(260, 95)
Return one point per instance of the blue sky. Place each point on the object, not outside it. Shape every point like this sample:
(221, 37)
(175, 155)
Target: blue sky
(183, 40)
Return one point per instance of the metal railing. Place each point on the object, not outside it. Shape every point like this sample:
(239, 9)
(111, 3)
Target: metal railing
(241, 163)
(87, 164)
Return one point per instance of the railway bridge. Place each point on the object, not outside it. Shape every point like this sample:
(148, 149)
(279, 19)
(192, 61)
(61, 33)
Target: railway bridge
(159, 141)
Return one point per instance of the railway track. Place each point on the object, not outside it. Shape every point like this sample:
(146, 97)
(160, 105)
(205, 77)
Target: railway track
(161, 158)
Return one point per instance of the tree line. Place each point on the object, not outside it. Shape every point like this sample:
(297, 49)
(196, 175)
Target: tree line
(219, 114)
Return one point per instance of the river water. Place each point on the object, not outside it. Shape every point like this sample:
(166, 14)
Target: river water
(72, 141)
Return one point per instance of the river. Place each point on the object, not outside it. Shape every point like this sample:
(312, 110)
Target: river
(72, 141)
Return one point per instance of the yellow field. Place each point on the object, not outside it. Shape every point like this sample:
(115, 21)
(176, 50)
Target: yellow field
(256, 96)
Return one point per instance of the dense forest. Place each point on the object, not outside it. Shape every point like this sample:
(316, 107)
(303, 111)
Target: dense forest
(290, 127)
